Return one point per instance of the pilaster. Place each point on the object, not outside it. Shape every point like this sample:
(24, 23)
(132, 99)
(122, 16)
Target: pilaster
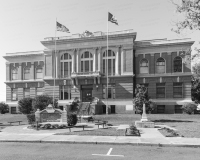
(20, 72)
(122, 61)
(32, 71)
(8, 74)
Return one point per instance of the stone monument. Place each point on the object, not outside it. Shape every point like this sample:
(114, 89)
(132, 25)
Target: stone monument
(144, 123)
(51, 115)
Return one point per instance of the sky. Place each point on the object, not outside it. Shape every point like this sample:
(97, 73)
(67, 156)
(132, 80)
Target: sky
(24, 23)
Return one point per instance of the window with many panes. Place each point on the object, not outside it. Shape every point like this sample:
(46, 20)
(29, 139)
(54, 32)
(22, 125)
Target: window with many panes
(177, 64)
(160, 90)
(26, 92)
(160, 65)
(14, 74)
(177, 90)
(144, 66)
(66, 65)
(39, 73)
(109, 92)
(109, 63)
(65, 92)
(86, 62)
(26, 73)
(14, 94)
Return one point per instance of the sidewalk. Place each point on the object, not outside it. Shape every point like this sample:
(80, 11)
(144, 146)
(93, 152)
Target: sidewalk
(149, 136)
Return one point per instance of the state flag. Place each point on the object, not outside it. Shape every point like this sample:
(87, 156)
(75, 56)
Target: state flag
(61, 27)
(112, 18)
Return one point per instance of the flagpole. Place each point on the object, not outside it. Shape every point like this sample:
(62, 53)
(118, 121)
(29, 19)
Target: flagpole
(54, 65)
(107, 71)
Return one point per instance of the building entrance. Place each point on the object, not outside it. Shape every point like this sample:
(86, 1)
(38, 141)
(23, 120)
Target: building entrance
(86, 93)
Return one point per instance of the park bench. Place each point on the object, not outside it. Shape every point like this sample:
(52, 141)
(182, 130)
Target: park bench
(15, 122)
(81, 125)
(101, 123)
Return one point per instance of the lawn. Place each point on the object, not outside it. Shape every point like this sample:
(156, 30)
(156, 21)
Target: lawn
(187, 125)
(5, 118)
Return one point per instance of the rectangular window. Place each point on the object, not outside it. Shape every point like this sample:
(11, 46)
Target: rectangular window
(14, 94)
(177, 90)
(65, 92)
(39, 91)
(86, 66)
(160, 90)
(26, 73)
(160, 108)
(111, 92)
(14, 74)
(26, 92)
(39, 73)
(178, 109)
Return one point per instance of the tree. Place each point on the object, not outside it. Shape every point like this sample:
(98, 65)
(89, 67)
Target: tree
(25, 105)
(4, 108)
(190, 9)
(141, 97)
(195, 90)
(42, 101)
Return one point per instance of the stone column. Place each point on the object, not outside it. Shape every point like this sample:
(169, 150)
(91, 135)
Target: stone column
(73, 63)
(8, 74)
(20, 72)
(58, 65)
(99, 59)
(94, 60)
(77, 60)
(74, 60)
(32, 71)
(117, 61)
(122, 62)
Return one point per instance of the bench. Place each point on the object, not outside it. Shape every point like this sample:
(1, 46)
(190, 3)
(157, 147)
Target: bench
(69, 127)
(15, 122)
(83, 126)
(101, 123)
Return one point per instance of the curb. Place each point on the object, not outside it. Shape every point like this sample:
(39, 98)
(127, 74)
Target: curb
(108, 143)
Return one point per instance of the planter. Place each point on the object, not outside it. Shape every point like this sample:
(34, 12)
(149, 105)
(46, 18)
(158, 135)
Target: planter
(130, 132)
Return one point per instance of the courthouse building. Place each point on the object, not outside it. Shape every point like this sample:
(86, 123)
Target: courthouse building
(78, 68)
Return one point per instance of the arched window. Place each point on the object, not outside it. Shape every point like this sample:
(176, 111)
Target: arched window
(86, 62)
(177, 64)
(160, 65)
(144, 66)
(111, 62)
(66, 65)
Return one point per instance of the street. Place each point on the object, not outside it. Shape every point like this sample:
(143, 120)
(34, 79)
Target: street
(61, 151)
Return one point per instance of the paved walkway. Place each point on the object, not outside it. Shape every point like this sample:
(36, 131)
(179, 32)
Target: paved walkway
(149, 136)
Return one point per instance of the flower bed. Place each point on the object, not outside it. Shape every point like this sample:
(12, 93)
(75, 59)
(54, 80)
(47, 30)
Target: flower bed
(169, 132)
(48, 126)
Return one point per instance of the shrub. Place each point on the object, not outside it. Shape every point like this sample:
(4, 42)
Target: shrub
(42, 101)
(25, 105)
(189, 108)
(71, 119)
(4, 108)
(31, 118)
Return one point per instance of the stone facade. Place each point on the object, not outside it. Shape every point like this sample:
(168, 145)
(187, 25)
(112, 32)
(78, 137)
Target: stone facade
(78, 68)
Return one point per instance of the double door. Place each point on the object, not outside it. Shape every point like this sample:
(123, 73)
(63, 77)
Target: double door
(86, 94)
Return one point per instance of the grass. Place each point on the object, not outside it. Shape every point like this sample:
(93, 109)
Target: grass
(97, 132)
(186, 125)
